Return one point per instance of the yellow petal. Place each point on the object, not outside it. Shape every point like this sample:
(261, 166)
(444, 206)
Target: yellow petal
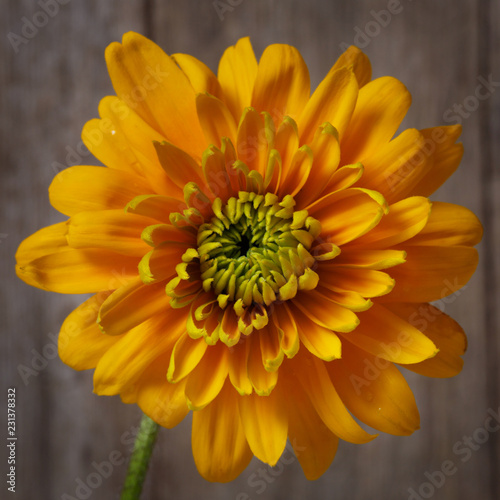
(375, 392)
(236, 74)
(366, 282)
(319, 341)
(346, 215)
(220, 448)
(206, 380)
(333, 101)
(297, 173)
(155, 206)
(264, 420)
(355, 58)
(449, 225)
(81, 343)
(107, 142)
(325, 155)
(200, 75)
(79, 271)
(180, 167)
(384, 334)
(282, 83)
(216, 119)
(405, 219)
(151, 84)
(444, 157)
(313, 376)
(252, 145)
(323, 312)
(160, 400)
(238, 372)
(109, 229)
(445, 332)
(159, 264)
(130, 305)
(439, 272)
(186, 355)
(263, 381)
(124, 363)
(314, 444)
(369, 259)
(380, 108)
(85, 188)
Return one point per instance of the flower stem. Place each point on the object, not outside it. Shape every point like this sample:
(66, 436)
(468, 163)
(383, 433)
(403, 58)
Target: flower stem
(139, 461)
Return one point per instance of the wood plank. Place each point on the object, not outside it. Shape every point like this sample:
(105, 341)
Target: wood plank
(53, 84)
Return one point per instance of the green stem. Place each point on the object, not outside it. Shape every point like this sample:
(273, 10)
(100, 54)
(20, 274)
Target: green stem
(139, 461)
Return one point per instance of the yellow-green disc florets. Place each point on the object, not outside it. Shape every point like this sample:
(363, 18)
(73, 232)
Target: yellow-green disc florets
(255, 249)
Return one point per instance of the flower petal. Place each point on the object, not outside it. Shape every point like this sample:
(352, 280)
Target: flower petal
(84, 188)
(446, 333)
(439, 271)
(160, 400)
(312, 375)
(333, 101)
(236, 74)
(405, 219)
(150, 82)
(360, 64)
(109, 229)
(130, 305)
(323, 312)
(216, 119)
(155, 206)
(81, 343)
(449, 225)
(380, 108)
(387, 336)
(186, 355)
(126, 360)
(220, 448)
(263, 381)
(202, 390)
(314, 444)
(79, 271)
(282, 83)
(264, 420)
(199, 74)
(375, 392)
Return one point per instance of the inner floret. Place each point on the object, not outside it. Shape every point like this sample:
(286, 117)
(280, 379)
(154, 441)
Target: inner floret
(255, 250)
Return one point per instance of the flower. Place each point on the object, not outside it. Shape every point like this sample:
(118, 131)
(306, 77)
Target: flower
(259, 255)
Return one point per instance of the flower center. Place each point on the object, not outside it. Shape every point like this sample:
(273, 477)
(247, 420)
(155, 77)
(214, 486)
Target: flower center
(255, 250)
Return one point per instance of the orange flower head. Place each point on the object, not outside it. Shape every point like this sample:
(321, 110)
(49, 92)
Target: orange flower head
(252, 248)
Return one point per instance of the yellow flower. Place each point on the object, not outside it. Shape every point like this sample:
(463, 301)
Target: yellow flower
(259, 255)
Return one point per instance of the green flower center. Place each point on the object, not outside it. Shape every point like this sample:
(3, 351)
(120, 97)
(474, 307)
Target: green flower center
(255, 249)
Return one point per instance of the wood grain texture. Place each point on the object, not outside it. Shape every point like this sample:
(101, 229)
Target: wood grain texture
(53, 84)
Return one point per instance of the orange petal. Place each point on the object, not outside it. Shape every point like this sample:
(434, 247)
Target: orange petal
(236, 74)
(264, 420)
(282, 83)
(151, 84)
(219, 444)
(333, 101)
(85, 188)
(355, 58)
(380, 108)
(81, 343)
(445, 332)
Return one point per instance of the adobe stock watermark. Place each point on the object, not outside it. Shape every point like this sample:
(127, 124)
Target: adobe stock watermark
(31, 27)
(101, 471)
(463, 449)
(381, 19)
(223, 6)
(483, 91)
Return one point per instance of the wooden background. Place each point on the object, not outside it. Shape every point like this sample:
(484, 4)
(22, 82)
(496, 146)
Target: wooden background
(52, 84)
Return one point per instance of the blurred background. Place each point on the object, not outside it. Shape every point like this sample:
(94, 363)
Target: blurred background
(52, 77)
